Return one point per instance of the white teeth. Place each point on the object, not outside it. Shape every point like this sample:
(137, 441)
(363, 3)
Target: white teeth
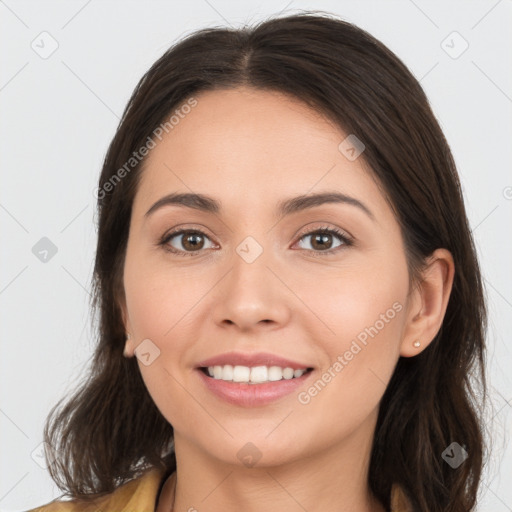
(227, 372)
(275, 373)
(288, 373)
(253, 375)
(241, 374)
(259, 374)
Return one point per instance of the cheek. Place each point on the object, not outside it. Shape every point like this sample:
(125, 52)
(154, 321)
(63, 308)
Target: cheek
(160, 302)
(361, 357)
(349, 301)
(159, 296)
(360, 322)
(157, 313)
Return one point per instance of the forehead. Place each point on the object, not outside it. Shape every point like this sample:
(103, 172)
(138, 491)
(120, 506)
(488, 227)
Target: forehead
(245, 145)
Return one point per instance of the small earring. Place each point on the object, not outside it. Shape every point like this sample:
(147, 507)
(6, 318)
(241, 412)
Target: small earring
(417, 343)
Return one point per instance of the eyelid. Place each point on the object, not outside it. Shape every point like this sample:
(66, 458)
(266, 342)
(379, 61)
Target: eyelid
(323, 227)
(186, 228)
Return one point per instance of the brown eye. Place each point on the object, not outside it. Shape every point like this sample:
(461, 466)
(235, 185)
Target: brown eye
(185, 241)
(192, 241)
(323, 240)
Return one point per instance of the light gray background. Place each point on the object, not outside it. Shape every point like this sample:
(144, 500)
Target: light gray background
(58, 115)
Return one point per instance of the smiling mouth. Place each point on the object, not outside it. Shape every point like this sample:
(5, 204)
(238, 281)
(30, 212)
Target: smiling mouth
(253, 375)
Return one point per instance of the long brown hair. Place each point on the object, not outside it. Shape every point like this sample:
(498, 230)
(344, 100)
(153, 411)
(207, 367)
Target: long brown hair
(110, 431)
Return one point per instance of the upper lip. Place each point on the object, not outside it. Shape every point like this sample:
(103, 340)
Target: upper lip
(255, 359)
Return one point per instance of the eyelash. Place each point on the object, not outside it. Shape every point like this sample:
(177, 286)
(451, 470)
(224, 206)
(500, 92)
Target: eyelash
(347, 242)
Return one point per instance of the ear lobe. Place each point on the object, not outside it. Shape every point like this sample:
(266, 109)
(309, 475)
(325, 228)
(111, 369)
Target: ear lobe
(129, 348)
(429, 303)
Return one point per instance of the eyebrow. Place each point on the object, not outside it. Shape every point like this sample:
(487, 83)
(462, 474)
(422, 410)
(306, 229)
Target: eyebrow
(287, 207)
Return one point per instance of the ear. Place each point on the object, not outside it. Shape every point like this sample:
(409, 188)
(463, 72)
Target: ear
(428, 303)
(129, 346)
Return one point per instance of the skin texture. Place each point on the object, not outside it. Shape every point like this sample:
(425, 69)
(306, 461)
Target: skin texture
(250, 149)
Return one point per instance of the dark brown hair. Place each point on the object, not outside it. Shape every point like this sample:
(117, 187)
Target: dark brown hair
(110, 431)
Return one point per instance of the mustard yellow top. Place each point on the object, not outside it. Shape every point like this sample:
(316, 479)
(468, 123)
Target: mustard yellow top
(141, 495)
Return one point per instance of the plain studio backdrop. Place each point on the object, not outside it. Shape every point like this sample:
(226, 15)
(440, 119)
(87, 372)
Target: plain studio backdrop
(67, 71)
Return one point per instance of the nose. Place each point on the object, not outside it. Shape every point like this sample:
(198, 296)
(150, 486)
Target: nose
(251, 295)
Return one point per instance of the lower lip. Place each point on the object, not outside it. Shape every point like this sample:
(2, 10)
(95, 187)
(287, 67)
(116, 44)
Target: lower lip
(252, 395)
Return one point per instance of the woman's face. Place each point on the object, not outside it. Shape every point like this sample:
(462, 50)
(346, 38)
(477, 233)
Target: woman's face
(253, 279)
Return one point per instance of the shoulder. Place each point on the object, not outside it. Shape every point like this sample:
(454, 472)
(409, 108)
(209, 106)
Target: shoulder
(139, 494)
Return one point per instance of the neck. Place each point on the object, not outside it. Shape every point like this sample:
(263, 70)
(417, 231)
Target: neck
(334, 480)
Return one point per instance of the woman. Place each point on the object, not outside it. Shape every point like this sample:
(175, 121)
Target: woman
(291, 307)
